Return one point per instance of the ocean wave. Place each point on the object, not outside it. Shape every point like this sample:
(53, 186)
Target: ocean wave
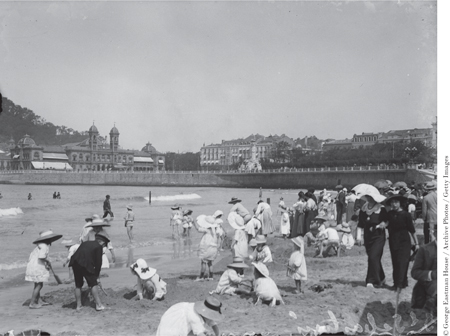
(174, 197)
(11, 212)
(13, 265)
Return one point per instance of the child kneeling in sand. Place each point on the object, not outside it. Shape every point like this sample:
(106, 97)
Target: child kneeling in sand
(327, 238)
(265, 288)
(232, 278)
(262, 252)
(148, 281)
(297, 264)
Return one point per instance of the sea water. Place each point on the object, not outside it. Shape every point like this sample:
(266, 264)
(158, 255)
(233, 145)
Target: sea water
(21, 219)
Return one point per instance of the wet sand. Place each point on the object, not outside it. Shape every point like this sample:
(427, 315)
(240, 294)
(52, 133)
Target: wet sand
(345, 304)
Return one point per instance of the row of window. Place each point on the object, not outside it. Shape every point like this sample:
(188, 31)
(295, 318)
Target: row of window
(101, 157)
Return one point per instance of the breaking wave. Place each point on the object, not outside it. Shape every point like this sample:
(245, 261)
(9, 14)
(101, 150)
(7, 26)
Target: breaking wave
(11, 212)
(174, 197)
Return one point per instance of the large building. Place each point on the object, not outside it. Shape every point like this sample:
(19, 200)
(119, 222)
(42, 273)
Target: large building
(230, 152)
(426, 135)
(92, 154)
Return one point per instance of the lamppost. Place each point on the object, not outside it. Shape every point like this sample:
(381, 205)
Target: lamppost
(411, 153)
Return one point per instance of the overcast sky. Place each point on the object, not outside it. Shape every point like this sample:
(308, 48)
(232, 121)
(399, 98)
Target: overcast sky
(180, 74)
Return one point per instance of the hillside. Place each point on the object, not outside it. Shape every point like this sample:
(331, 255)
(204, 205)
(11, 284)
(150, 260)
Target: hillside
(16, 121)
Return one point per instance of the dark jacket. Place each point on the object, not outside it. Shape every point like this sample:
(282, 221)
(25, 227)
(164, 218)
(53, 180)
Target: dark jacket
(89, 256)
(106, 205)
(425, 291)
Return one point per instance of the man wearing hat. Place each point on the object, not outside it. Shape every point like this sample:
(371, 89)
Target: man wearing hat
(107, 208)
(186, 318)
(86, 263)
(429, 211)
(231, 278)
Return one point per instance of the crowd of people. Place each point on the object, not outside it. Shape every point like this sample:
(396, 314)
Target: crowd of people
(364, 215)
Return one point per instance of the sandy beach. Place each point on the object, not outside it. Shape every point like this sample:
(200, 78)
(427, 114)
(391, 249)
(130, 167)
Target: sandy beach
(344, 305)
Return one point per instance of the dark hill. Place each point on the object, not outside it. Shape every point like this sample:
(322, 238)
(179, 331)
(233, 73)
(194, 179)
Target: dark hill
(16, 121)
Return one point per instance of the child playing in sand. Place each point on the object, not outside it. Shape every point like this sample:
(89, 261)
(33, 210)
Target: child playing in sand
(148, 281)
(220, 232)
(327, 238)
(297, 264)
(38, 266)
(207, 249)
(187, 223)
(347, 239)
(71, 247)
(176, 219)
(265, 288)
(232, 278)
(262, 251)
(129, 220)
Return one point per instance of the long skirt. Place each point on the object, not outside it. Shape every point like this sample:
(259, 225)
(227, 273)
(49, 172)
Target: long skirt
(309, 217)
(350, 211)
(400, 248)
(374, 244)
(267, 224)
(299, 226)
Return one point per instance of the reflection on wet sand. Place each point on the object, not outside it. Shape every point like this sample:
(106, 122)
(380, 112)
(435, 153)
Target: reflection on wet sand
(182, 248)
(130, 258)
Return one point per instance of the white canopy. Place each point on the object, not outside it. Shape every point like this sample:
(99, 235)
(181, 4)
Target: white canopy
(51, 165)
(57, 156)
(143, 159)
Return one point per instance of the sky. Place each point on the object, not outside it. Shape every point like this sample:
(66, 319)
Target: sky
(184, 74)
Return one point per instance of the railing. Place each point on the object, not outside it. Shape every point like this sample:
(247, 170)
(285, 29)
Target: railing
(278, 170)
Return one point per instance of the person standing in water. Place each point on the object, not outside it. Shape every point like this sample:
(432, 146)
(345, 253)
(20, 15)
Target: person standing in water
(107, 208)
(29, 197)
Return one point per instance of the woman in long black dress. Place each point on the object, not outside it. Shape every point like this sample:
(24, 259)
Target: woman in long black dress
(400, 226)
(373, 220)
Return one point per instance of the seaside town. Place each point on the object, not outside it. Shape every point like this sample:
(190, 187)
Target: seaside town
(223, 168)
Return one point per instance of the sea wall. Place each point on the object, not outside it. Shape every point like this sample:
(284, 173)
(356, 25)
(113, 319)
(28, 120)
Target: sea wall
(272, 180)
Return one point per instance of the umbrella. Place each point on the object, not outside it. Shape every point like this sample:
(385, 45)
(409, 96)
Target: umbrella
(400, 184)
(381, 184)
(368, 189)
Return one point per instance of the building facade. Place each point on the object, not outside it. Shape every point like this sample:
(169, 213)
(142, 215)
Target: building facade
(92, 154)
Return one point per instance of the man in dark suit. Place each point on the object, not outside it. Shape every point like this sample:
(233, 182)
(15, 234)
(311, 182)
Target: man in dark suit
(86, 263)
(424, 270)
(340, 204)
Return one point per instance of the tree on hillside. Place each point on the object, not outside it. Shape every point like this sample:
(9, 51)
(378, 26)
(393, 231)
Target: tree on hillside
(16, 121)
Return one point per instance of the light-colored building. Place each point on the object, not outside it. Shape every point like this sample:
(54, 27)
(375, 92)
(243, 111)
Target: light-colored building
(92, 154)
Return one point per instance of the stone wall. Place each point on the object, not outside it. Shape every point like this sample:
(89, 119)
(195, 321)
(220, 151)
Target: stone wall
(285, 180)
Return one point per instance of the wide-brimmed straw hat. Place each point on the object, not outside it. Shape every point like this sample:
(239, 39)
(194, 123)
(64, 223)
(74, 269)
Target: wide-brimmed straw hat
(412, 196)
(175, 207)
(321, 217)
(187, 212)
(261, 268)
(260, 239)
(398, 197)
(430, 185)
(206, 221)
(339, 186)
(97, 221)
(236, 221)
(68, 242)
(210, 308)
(103, 235)
(130, 206)
(142, 269)
(218, 213)
(252, 242)
(47, 236)
(238, 262)
(234, 200)
(298, 241)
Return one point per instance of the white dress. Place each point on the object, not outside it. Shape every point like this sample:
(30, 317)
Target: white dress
(285, 224)
(181, 320)
(266, 289)
(36, 271)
